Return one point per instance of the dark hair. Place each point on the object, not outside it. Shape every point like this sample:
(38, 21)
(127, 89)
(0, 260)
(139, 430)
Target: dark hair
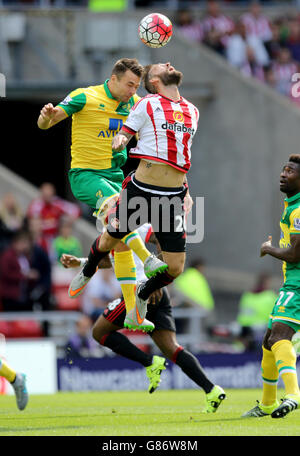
(146, 76)
(122, 65)
(22, 233)
(295, 158)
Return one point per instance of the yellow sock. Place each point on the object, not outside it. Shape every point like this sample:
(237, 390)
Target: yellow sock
(134, 242)
(270, 376)
(286, 358)
(125, 271)
(6, 371)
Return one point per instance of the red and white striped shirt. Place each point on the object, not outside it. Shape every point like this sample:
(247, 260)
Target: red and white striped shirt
(220, 23)
(166, 129)
(258, 26)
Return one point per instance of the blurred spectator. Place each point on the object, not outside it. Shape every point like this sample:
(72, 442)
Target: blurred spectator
(188, 26)
(39, 287)
(11, 218)
(256, 23)
(50, 208)
(66, 242)
(15, 272)
(274, 44)
(216, 26)
(193, 288)
(34, 226)
(247, 53)
(101, 289)
(25, 275)
(292, 41)
(81, 344)
(254, 310)
(283, 69)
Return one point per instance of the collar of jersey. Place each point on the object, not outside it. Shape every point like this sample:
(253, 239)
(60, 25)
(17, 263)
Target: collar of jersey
(180, 99)
(107, 91)
(121, 104)
(293, 198)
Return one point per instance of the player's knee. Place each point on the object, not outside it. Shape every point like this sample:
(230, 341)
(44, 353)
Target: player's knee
(273, 338)
(99, 333)
(107, 242)
(175, 270)
(170, 350)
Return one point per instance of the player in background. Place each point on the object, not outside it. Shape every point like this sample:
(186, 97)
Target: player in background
(105, 332)
(165, 123)
(17, 381)
(98, 112)
(279, 357)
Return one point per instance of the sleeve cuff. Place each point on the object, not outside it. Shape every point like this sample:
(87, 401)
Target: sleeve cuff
(128, 130)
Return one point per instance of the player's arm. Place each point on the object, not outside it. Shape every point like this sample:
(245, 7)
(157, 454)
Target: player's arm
(188, 200)
(73, 103)
(71, 261)
(121, 140)
(290, 254)
(50, 116)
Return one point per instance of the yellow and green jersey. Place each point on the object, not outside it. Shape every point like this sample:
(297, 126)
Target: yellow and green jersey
(290, 224)
(96, 118)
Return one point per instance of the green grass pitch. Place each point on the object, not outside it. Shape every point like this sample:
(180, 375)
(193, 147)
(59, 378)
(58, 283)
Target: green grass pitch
(164, 413)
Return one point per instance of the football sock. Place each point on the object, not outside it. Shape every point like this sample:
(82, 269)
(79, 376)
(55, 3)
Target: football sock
(121, 345)
(7, 372)
(269, 374)
(159, 281)
(125, 271)
(95, 256)
(134, 241)
(286, 358)
(192, 368)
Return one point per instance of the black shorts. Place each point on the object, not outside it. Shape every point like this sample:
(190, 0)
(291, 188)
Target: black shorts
(141, 203)
(159, 313)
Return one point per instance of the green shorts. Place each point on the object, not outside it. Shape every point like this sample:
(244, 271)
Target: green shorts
(94, 187)
(287, 307)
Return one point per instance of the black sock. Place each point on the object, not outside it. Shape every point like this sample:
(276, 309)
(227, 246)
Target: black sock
(159, 281)
(192, 368)
(95, 256)
(121, 345)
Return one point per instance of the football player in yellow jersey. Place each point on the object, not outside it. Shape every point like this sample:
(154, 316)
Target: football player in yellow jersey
(98, 113)
(279, 356)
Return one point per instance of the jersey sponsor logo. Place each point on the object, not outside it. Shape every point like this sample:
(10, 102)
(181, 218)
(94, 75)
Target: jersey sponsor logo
(178, 116)
(178, 127)
(115, 124)
(114, 127)
(297, 223)
(67, 100)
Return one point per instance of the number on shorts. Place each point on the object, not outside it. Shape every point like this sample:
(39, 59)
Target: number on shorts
(181, 223)
(289, 295)
(113, 304)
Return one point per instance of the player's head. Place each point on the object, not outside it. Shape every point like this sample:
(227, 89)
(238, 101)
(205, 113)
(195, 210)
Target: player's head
(22, 242)
(125, 79)
(160, 74)
(290, 176)
(47, 191)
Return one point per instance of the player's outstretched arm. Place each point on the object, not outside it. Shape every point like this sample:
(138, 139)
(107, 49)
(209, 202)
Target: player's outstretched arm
(71, 261)
(50, 116)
